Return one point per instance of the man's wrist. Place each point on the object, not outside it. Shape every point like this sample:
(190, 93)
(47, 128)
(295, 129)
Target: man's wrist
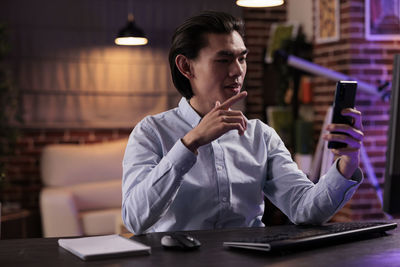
(190, 143)
(345, 171)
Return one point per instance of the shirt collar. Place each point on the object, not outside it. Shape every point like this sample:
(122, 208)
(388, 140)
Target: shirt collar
(188, 113)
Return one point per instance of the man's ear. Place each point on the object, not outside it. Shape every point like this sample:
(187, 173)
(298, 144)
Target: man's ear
(183, 64)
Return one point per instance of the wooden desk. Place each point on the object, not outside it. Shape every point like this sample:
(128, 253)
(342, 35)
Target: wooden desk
(382, 251)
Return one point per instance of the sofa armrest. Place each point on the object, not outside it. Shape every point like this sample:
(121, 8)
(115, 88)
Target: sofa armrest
(59, 213)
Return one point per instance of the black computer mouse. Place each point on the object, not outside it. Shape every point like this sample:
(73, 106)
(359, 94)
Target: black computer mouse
(180, 241)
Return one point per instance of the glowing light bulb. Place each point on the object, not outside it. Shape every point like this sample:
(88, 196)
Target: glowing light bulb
(259, 3)
(131, 41)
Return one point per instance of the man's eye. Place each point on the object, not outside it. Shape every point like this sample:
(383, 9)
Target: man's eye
(242, 59)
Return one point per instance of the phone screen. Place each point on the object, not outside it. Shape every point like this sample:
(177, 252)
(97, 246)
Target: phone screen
(345, 96)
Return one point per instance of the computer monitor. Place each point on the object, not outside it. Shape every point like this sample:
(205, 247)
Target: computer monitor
(391, 198)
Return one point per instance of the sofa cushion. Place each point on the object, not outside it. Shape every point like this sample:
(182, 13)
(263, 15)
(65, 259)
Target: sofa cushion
(66, 164)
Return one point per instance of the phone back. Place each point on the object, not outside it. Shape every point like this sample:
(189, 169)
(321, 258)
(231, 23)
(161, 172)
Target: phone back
(345, 96)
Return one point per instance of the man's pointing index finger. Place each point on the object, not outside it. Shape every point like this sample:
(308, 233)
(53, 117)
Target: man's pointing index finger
(231, 101)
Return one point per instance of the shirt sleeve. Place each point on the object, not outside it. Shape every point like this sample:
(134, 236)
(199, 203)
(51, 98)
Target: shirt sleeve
(300, 199)
(150, 179)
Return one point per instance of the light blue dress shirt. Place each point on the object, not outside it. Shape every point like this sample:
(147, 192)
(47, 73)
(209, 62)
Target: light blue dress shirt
(166, 187)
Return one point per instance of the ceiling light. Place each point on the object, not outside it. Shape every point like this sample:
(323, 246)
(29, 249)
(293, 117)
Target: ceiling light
(259, 3)
(131, 34)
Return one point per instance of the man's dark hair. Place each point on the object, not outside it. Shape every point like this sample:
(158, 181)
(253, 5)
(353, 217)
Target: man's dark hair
(190, 37)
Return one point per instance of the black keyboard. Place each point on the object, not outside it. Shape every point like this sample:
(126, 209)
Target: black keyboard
(303, 236)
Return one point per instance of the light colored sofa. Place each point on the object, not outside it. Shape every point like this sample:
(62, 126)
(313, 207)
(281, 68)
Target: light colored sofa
(81, 192)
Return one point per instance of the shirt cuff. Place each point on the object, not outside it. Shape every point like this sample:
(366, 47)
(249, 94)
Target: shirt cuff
(356, 177)
(181, 157)
(341, 181)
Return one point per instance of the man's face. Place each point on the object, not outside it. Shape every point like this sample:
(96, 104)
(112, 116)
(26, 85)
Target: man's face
(218, 71)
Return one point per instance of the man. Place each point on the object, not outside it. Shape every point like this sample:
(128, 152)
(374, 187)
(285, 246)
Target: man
(203, 165)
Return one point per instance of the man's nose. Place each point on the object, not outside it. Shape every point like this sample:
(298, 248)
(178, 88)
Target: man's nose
(236, 68)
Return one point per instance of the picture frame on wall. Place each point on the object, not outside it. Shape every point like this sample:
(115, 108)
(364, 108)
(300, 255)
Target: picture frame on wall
(382, 20)
(327, 21)
(279, 33)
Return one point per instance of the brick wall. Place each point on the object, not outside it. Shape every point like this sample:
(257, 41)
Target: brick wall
(258, 23)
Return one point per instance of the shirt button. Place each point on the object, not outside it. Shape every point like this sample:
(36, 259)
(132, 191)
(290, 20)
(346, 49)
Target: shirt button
(219, 167)
(224, 199)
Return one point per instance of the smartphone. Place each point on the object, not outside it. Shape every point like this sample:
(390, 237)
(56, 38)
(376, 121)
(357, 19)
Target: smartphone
(345, 96)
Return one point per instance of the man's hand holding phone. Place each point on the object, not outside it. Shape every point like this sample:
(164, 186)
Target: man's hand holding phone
(346, 131)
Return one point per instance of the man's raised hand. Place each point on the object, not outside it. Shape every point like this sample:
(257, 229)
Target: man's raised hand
(216, 123)
(353, 136)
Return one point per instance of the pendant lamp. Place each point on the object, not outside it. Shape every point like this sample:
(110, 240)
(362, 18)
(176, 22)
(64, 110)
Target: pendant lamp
(131, 34)
(259, 3)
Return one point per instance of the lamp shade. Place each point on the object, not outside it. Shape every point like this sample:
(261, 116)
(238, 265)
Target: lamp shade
(131, 34)
(259, 3)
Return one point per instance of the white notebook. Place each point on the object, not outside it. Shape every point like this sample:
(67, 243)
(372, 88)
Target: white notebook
(101, 247)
